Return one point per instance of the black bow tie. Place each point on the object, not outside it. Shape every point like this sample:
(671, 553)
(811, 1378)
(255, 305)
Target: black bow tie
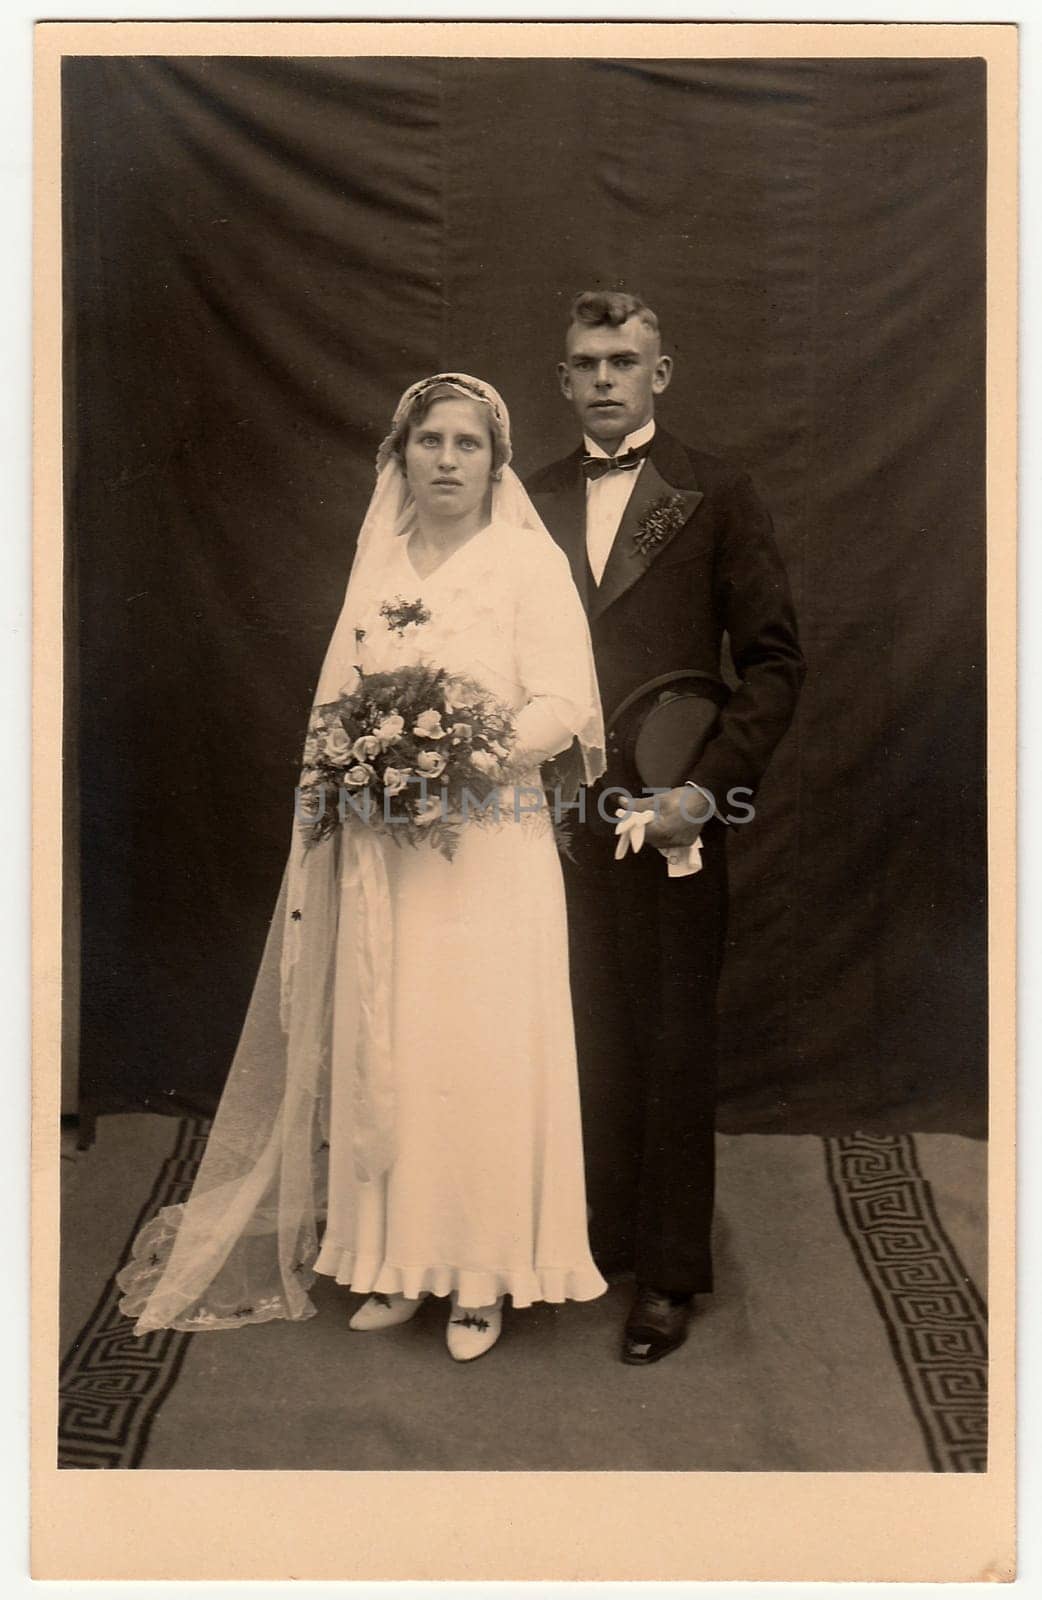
(596, 466)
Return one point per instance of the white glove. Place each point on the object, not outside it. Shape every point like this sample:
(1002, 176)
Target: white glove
(682, 860)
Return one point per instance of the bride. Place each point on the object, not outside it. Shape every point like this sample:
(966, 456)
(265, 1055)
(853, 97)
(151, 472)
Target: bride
(407, 1070)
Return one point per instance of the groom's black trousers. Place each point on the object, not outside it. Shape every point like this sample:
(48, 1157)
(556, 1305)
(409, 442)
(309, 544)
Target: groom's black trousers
(646, 952)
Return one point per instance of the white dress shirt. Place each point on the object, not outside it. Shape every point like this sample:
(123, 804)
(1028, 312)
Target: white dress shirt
(607, 498)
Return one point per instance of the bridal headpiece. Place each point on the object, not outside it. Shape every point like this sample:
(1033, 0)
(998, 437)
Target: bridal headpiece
(471, 389)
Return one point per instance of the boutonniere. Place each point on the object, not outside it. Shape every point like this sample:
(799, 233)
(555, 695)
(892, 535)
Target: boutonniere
(402, 614)
(663, 518)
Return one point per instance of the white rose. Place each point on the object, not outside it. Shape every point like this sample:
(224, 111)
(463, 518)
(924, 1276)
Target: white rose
(428, 725)
(484, 761)
(338, 746)
(358, 777)
(431, 763)
(365, 748)
(395, 780)
(390, 729)
(427, 811)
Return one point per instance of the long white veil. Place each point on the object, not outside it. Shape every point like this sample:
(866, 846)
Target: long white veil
(242, 1247)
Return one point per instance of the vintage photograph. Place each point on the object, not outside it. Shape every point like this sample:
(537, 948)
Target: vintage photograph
(525, 811)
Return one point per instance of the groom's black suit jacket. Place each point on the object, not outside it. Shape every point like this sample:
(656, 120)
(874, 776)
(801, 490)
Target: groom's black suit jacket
(665, 610)
(646, 949)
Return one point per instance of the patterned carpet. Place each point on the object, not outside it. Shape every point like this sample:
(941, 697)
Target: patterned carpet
(848, 1332)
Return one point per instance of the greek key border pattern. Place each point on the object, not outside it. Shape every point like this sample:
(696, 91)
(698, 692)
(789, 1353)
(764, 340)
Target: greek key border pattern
(934, 1314)
(111, 1383)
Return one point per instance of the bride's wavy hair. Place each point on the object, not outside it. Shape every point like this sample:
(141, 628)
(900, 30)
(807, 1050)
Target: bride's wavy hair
(422, 403)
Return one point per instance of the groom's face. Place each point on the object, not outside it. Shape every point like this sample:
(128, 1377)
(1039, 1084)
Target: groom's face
(611, 377)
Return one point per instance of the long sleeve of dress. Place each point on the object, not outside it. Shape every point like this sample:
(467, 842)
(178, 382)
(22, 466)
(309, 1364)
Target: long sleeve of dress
(555, 658)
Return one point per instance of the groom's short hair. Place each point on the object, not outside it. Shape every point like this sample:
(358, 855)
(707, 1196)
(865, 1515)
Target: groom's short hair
(596, 308)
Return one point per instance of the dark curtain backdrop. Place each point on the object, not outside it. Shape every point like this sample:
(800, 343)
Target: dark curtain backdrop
(261, 254)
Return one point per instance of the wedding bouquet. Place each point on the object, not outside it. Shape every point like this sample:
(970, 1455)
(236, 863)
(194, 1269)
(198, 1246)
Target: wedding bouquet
(413, 753)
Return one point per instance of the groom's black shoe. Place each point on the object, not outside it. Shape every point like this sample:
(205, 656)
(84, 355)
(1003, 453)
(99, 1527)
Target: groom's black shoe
(656, 1325)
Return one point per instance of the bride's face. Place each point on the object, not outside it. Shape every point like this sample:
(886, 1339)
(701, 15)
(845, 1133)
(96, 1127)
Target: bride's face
(448, 459)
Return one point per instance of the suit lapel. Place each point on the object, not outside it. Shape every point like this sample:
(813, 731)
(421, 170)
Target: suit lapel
(627, 562)
(564, 512)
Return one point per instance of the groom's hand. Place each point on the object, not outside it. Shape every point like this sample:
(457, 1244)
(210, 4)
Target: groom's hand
(680, 816)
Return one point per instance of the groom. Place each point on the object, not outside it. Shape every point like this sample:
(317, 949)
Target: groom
(670, 549)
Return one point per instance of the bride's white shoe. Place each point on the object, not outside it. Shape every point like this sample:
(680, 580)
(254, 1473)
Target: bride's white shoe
(473, 1330)
(384, 1311)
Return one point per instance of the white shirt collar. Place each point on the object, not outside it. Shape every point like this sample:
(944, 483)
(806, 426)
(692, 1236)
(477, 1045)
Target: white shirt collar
(632, 441)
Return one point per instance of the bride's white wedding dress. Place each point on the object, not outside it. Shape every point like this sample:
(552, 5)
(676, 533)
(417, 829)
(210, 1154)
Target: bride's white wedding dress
(485, 1195)
(402, 1109)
